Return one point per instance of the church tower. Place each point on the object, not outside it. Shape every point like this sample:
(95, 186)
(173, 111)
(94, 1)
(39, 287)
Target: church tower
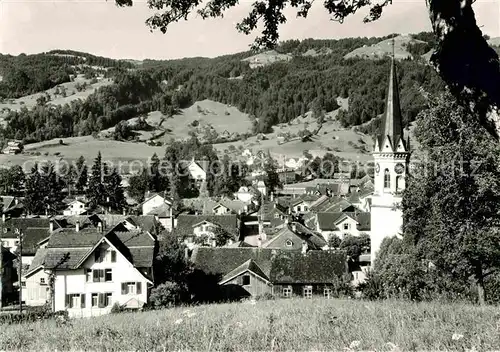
(391, 155)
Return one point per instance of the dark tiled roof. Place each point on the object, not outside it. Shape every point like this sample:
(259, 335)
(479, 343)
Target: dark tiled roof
(31, 238)
(248, 265)
(326, 221)
(38, 260)
(281, 266)
(145, 222)
(222, 260)
(235, 206)
(134, 238)
(316, 267)
(34, 230)
(142, 257)
(298, 236)
(185, 223)
(73, 239)
(64, 258)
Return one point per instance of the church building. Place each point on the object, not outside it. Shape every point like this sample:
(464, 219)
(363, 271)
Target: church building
(391, 156)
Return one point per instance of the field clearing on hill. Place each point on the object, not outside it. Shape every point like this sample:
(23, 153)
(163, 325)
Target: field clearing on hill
(283, 325)
(206, 112)
(332, 138)
(384, 48)
(29, 101)
(74, 147)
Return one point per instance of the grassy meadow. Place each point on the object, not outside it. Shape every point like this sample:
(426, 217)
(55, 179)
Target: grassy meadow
(281, 325)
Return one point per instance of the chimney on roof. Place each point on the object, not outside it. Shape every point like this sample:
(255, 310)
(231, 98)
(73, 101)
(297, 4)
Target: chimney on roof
(272, 196)
(124, 211)
(51, 225)
(3, 217)
(77, 226)
(99, 226)
(259, 242)
(294, 227)
(16, 201)
(304, 247)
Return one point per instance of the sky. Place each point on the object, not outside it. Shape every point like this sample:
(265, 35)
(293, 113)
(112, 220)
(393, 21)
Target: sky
(101, 28)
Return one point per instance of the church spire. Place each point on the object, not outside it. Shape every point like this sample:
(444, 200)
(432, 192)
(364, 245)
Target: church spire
(392, 125)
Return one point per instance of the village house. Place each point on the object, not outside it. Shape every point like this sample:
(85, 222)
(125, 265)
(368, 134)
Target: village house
(197, 171)
(293, 236)
(33, 231)
(93, 270)
(160, 207)
(343, 224)
(302, 204)
(229, 206)
(74, 207)
(13, 147)
(317, 187)
(7, 276)
(251, 272)
(203, 229)
(245, 194)
(296, 163)
(12, 206)
(359, 269)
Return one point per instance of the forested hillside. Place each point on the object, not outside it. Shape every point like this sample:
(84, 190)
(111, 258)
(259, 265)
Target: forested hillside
(312, 80)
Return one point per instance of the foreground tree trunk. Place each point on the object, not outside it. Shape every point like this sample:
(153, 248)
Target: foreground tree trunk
(464, 60)
(481, 293)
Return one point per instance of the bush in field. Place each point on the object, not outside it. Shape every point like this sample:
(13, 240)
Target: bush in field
(117, 308)
(168, 294)
(342, 287)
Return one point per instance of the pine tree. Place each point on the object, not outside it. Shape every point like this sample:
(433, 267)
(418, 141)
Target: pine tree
(96, 191)
(272, 179)
(52, 186)
(115, 196)
(138, 185)
(81, 174)
(34, 197)
(175, 182)
(157, 182)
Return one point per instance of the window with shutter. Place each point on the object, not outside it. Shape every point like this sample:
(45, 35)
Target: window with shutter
(101, 275)
(113, 256)
(124, 288)
(95, 302)
(139, 288)
(82, 300)
(108, 275)
(101, 300)
(68, 300)
(95, 276)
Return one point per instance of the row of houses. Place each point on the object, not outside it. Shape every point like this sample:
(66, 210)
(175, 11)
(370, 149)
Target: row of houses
(94, 261)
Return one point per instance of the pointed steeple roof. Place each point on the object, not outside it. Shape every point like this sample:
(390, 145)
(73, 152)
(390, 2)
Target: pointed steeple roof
(392, 122)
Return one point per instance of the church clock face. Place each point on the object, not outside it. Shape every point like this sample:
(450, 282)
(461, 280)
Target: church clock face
(377, 168)
(399, 168)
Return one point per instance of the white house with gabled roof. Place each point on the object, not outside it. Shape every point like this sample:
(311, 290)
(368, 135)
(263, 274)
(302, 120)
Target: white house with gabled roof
(93, 270)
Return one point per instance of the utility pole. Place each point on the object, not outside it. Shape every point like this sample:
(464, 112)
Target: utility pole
(20, 268)
(1, 274)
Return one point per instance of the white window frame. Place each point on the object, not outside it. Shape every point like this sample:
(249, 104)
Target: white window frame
(286, 291)
(327, 292)
(307, 291)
